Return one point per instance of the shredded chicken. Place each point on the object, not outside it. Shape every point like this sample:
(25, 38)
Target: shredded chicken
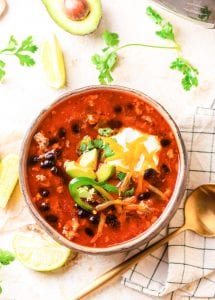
(41, 140)
(41, 178)
(70, 228)
(100, 228)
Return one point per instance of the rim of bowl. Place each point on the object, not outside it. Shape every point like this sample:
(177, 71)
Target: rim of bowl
(169, 210)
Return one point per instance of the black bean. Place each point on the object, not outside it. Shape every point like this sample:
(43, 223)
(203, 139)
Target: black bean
(32, 160)
(44, 193)
(53, 141)
(61, 132)
(47, 164)
(94, 219)
(75, 127)
(50, 155)
(44, 206)
(82, 213)
(144, 196)
(112, 221)
(117, 109)
(130, 106)
(149, 173)
(165, 142)
(115, 124)
(55, 171)
(51, 218)
(58, 152)
(89, 231)
(165, 168)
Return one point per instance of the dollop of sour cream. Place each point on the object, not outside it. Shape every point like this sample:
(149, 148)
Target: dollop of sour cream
(138, 151)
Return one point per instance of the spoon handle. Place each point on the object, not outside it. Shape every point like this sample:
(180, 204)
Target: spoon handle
(122, 267)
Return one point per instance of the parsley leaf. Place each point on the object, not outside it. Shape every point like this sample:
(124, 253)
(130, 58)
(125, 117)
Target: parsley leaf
(6, 257)
(190, 73)
(111, 38)
(108, 151)
(105, 131)
(109, 187)
(121, 175)
(2, 71)
(204, 13)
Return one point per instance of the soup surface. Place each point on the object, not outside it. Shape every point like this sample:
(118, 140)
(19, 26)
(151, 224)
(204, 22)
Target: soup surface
(102, 167)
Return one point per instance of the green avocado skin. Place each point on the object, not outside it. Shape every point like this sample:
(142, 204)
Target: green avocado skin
(85, 26)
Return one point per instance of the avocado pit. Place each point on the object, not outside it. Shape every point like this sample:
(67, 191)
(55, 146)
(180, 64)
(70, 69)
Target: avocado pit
(76, 10)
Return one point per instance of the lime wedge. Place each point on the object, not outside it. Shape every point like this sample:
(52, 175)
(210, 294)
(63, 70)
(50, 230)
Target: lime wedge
(9, 168)
(39, 252)
(53, 63)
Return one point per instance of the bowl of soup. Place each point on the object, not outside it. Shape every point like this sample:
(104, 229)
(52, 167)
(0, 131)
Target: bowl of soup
(103, 169)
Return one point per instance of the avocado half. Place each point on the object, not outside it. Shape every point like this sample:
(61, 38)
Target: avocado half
(85, 26)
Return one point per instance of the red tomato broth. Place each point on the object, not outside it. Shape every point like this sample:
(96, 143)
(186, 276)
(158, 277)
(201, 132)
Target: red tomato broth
(101, 106)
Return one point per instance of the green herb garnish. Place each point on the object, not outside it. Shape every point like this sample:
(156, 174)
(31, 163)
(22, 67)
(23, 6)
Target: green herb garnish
(204, 13)
(190, 73)
(21, 51)
(6, 257)
(129, 192)
(105, 131)
(108, 151)
(107, 60)
(121, 175)
(166, 31)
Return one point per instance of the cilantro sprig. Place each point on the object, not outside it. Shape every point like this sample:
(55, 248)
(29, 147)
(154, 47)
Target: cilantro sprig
(6, 257)
(21, 51)
(190, 78)
(106, 61)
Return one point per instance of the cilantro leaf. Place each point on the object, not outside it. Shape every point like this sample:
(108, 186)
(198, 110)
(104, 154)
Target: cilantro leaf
(25, 60)
(154, 15)
(108, 151)
(190, 73)
(129, 192)
(111, 38)
(2, 71)
(109, 187)
(98, 143)
(104, 64)
(11, 46)
(105, 131)
(166, 32)
(6, 257)
(27, 45)
(0, 290)
(121, 175)
(204, 13)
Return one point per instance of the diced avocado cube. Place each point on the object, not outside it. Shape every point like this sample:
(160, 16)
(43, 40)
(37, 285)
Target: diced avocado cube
(75, 170)
(104, 172)
(89, 159)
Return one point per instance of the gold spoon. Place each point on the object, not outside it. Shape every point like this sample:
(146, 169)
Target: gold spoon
(199, 217)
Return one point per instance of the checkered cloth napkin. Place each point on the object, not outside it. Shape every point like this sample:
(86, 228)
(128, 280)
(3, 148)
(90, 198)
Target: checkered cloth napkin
(184, 268)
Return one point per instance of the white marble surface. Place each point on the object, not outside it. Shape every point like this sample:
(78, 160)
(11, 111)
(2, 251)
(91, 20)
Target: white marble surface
(24, 93)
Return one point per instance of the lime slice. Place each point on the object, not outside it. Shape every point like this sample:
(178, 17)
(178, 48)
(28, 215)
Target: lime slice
(53, 63)
(39, 252)
(9, 169)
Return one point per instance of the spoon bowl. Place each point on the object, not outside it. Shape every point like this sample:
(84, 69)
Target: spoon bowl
(200, 210)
